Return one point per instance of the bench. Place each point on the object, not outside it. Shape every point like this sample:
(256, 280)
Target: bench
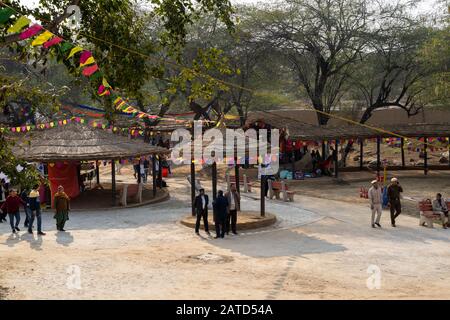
(244, 181)
(130, 192)
(427, 215)
(277, 187)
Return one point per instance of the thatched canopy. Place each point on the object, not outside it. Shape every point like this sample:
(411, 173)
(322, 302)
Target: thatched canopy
(305, 131)
(76, 141)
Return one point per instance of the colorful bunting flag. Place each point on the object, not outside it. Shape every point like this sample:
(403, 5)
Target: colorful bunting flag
(5, 14)
(90, 60)
(73, 52)
(42, 38)
(85, 55)
(30, 32)
(21, 23)
(52, 42)
(90, 70)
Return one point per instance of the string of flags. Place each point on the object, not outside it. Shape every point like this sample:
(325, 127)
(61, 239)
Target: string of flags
(57, 123)
(24, 27)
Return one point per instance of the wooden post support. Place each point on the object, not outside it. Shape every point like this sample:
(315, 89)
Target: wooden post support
(214, 180)
(336, 161)
(378, 156)
(160, 172)
(361, 153)
(154, 174)
(236, 172)
(139, 172)
(113, 182)
(323, 150)
(263, 195)
(293, 161)
(192, 186)
(402, 145)
(97, 172)
(448, 148)
(425, 154)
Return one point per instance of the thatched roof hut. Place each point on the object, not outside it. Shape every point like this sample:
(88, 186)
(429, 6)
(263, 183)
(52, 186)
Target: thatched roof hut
(306, 131)
(76, 141)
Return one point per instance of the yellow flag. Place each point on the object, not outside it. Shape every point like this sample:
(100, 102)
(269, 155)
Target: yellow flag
(42, 38)
(21, 23)
(105, 83)
(90, 60)
(73, 51)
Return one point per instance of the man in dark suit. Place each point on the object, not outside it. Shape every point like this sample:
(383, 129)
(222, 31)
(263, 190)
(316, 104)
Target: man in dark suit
(201, 209)
(220, 214)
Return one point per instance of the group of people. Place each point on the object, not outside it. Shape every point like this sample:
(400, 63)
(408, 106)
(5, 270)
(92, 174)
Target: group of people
(30, 201)
(394, 191)
(142, 168)
(225, 207)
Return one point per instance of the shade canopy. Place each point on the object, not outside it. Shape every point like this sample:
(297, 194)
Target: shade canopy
(305, 131)
(76, 141)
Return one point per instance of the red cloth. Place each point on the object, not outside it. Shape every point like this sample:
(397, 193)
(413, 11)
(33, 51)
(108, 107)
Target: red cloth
(12, 204)
(66, 175)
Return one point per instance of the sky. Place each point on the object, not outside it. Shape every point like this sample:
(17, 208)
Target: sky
(425, 5)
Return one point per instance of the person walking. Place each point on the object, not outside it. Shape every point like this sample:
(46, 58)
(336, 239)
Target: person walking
(376, 199)
(220, 214)
(34, 209)
(201, 210)
(24, 197)
(12, 206)
(62, 206)
(440, 207)
(394, 190)
(234, 205)
(2, 200)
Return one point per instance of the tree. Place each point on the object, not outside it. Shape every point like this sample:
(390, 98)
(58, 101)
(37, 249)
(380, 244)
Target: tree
(390, 75)
(321, 40)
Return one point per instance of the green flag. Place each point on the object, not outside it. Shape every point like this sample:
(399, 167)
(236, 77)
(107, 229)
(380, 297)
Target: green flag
(5, 14)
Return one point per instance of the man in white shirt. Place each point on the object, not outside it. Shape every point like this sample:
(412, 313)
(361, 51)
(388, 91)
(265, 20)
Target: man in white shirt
(376, 200)
(234, 206)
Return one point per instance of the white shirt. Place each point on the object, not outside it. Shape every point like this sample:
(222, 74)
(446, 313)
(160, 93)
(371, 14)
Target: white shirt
(203, 202)
(232, 203)
(375, 196)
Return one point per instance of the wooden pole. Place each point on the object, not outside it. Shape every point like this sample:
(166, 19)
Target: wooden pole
(113, 182)
(192, 186)
(154, 174)
(139, 171)
(378, 156)
(160, 171)
(425, 153)
(361, 153)
(263, 195)
(323, 150)
(97, 172)
(236, 175)
(336, 161)
(403, 152)
(214, 180)
(448, 148)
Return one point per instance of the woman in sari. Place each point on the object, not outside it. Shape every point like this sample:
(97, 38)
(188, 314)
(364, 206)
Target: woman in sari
(62, 206)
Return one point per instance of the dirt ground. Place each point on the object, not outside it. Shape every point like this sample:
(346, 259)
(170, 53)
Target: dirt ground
(320, 249)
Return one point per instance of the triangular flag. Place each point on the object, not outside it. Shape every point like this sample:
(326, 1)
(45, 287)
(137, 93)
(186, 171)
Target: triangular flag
(5, 14)
(30, 32)
(66, 46)
(73, 52)
(52, 42)
(42, 38)
(84, 56)
(90, 70)
(90, 60)
(105, 83)
(21, 23)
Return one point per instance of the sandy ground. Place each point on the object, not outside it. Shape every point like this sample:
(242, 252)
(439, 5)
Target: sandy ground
(319, 249)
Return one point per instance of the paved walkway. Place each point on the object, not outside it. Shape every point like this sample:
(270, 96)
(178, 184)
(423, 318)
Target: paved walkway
(319, 249)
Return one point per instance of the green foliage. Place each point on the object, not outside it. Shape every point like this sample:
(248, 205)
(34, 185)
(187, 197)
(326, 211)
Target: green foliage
(27, 178)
